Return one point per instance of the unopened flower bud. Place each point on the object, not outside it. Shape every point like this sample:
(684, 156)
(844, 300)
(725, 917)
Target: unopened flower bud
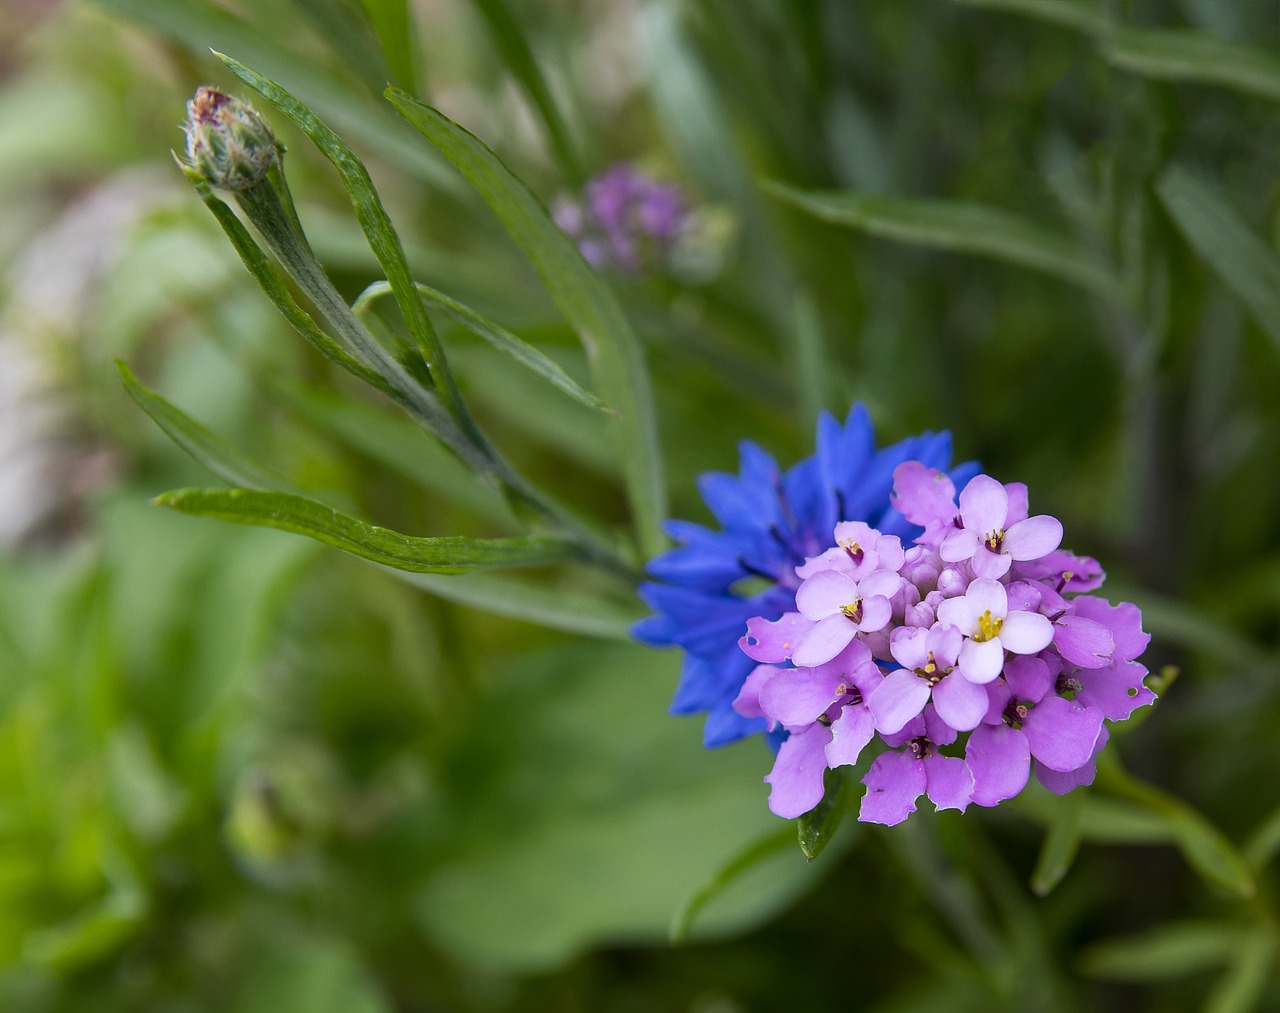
(228, 143)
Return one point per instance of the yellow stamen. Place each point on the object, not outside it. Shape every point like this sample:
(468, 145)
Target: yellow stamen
(988, 628)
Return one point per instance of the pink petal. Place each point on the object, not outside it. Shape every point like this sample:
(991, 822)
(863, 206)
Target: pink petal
(832, 559)
(1062, 733)
(850, 733)
(1123, 620)
(960, 613)
(950, 785)
(981, 662)
(909, 647)
(822, 643)
(945, 642)
(1035, 537)
(1116, 690)
(824, 593)
(986, 595)
(959, 544)
(984, 505)
(890, 552)
(1028, 677)
(1017, 493)
(924, 496)
(1026, 632)
(799, 696)
(988, 564)
(797, 773)
(1083, 642)
(1062, 782)
(772, 641)
(960, 703)
(894, 782)
(999, 760)
(881, 583)
(876, 613)
(748, 701)
(897, 700)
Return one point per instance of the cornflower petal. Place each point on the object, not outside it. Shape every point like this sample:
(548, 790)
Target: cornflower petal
(1062, 733)
(796, 778)
(999, 759)
(894, 782)
(1035, 537)
(897, 700)
(1026, 632)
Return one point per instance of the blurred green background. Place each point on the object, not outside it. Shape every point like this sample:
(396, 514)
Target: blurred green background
(242, 772)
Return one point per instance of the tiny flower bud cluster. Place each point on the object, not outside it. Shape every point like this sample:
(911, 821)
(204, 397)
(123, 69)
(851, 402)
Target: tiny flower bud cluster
(626, 221)
(968, 631)
(228, 143)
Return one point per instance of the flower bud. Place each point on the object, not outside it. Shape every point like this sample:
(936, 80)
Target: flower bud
(228, 143)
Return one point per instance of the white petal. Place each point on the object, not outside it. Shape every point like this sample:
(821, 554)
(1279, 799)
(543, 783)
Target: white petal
(984, 505)
(960, 613)
(1026, 632)
(987, 595)
(981, 663)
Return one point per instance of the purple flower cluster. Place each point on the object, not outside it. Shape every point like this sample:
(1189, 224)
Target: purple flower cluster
(626, 221)
(983, 626)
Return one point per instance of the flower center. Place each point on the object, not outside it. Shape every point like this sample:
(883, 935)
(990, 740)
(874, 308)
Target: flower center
(995, 540)
(931, 671)
(853, 611)
(988, 628)
(852, 549)
(1016, 713)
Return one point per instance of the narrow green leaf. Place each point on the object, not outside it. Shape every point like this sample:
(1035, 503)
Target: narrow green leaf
(1241, 988)
(751, 856)
(1205, 848)
(348, 37)
(499, 337)
(445, 554)
(1166, 952)
(1084, 15)
(1264, 842)
(816, 827)
(373, 218)
(555, 608)
(513, 45)
(272, 283)
(955, 225)
(224, 461)
(392, 22)
(1244, 263)
(1061, 844)
(1180, 55)
(612, 349)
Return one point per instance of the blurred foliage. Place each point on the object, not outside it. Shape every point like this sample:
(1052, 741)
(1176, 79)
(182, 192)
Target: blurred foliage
(239, 771)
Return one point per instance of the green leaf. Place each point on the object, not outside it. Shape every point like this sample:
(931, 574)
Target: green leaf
(613, 351)
(744, 861)
(499, 337)
(1061, 844)
(1179, 55)
(373, 218)
(272, 283)
(1166, 952)
(955, 225)
(1084, 15)
(348, 37)
(392, 22)
(1205, 848)
(512, 44)
(563, 609)
(224, 461)
(816, 827)
(1241, 989)
(1243, 262)
(444, 554)
(1264, 842)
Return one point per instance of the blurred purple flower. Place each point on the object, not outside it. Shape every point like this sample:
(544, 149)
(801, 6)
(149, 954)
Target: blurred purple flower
(626, 220)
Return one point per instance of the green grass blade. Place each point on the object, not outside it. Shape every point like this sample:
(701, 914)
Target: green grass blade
(512, 45)
(1244, 262)
(1084, 15)
(348, 37)
(445, 554)
(613, 351)
(373, 218)
(499, 337)
(206, 448)
(1061, 844)
(1179, 55)
(959, 226)
(392, 22)
(555, 608)
(1166, 952)
(744, 861)
(1243, 987)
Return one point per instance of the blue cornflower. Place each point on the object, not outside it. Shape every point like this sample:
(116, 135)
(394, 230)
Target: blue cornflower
(771, 522)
